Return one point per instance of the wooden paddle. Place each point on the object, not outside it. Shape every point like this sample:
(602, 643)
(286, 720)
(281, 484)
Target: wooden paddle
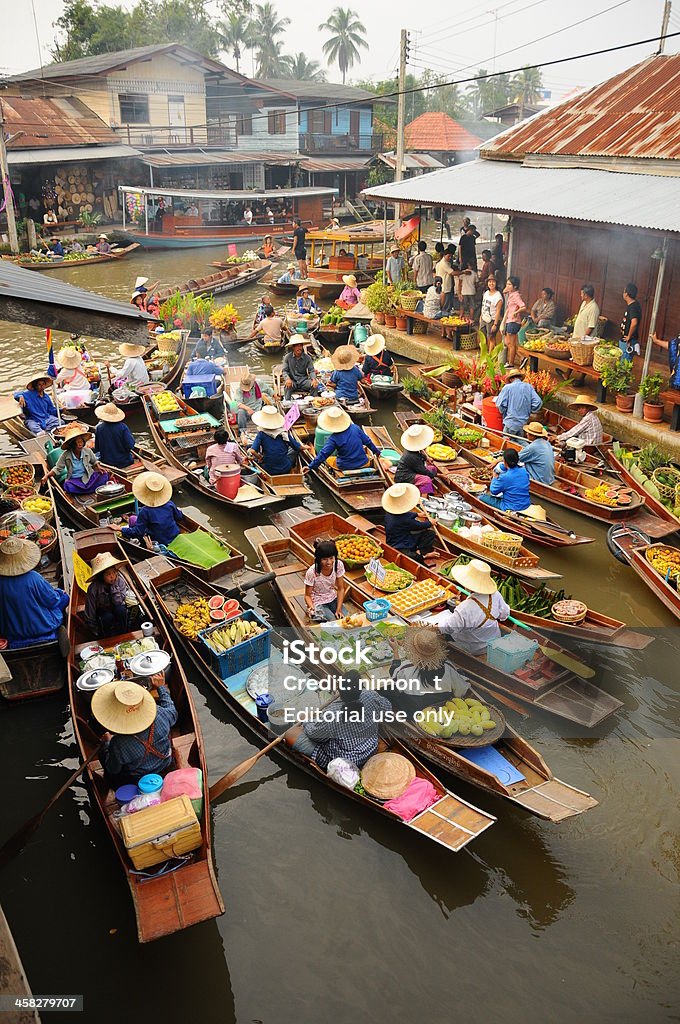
(15, 844)
(238, 772)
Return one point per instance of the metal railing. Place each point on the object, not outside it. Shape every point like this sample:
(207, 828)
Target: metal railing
(320, 142)
(213, 135)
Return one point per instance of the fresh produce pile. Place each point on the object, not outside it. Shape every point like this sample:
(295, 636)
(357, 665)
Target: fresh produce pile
(41, 506)
(226, 637)
(221, 609)
(539, 602)
(604, 495)
(192, 616)
(454, 321)
(357, 549)
(467, 436)
(165, 401)
(643, 464)
(395, 578)
(236, 261)
(191, 423)
(441, 452)
(557, 346)
(42, 535)
(467, 717)
(334, 316)
(129, 648)
(569, 609)
(535, 344)
(322, 403)
(20, 491)
(666, 561)
(417, 598)
(19, 473)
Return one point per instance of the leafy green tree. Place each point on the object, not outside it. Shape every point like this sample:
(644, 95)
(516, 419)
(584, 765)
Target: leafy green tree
(301, 69)
(270, 59)
(348, 35)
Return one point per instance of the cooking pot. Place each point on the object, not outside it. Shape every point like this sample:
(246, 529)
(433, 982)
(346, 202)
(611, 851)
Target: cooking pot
(93, 679)
(110, 491)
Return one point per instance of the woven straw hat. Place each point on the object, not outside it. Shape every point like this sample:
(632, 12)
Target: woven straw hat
(102, 562)
(400, 498)
(152, 489)
(247, 381)
(74, 431)
(299, 339)
(130, 351)
(536, 512)
(140, 282)
(123, 707)
(303, 288)
(582, 400)
(334, 419)
(68, 357)
(511, 374)
(418, 437)
(344, 357)
(374, 345)
(395, 248)
(384, 776)
(104, 235)
(291, 266)
(268, 418)
(425, 647)
(536, 429)
(475, 576)
(38, 375)
(350, 280)
(109, 413)
(18, 556)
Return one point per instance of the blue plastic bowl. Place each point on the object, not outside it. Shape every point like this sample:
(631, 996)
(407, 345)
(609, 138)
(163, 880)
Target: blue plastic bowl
(377, 609)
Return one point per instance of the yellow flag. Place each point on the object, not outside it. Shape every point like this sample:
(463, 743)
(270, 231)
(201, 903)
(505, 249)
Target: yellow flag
(82, 571)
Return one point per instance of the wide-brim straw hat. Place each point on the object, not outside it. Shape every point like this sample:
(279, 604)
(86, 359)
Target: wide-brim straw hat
(123, 707)
(74, 431)
(344, 357)
(102, 562)
(417, 438)
(268, 418)
(334, 419)
(350, 280)
(400, 498)
(425, 647)
(68, 357)
(298, 339)
(395, 248)
(475, 576)
(582, 400)
(140, 282)
(511, 374)
(536, 512)
(109, 413)
(104, 235)
(303, 288)
(130, 351)
(537, 429)
(18, 556)
(152, 489)
(291, 266)
(39, 375)
(374, 345)
(247, 381)
(385, 776)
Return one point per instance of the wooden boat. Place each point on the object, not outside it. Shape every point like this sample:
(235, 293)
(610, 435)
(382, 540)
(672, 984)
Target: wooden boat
(379, 391)
(164, 902)
(451, 822)
(85, 261)
(561, 692)
(186, 450)
(326, 289)
(539, 792)
(271, 347)
(333, 334)
(632, 547)
(360, 490)
(229, 277)
(656, 507)
(209, 403)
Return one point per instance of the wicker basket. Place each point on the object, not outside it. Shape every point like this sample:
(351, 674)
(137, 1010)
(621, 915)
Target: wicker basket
(420, 327)
(556, 353)
(354, 563)
(582, 352)
(409, 300)
(509, 544)
(602, 359)
(570, 619)
(450, 379)
(481, 475)
(48, 516)
(667, 491)
(469, 341)
(27, 469)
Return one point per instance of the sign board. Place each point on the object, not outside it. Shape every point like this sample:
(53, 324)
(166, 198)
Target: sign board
(291, 417)
(377, 570)
(231, 249)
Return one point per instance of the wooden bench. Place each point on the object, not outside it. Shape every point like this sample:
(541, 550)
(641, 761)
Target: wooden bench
(564, 364)
(672, 397)
(448, 331)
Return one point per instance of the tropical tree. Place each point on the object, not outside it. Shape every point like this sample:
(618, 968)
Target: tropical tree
(301, 69)
(527, 86)
(270, 59)
(236, 33)
(347, 36)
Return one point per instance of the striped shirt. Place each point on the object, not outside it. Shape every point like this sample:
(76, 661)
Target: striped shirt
(218, 455)
(589, 429)
(340, 734)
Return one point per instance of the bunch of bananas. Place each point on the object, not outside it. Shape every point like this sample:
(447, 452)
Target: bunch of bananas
(191, 617)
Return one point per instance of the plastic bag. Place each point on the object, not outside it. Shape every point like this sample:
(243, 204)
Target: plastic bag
(138, 803)
(343, 772)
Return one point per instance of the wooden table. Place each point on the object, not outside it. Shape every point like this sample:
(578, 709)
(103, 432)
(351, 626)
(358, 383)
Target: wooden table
(564, 364)
(449, 331)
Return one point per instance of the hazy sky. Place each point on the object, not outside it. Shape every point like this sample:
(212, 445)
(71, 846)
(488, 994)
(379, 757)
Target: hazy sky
(453, 39)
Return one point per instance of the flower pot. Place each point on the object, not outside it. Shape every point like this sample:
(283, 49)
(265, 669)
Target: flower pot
(625, 403)
(401, 323)
(379, 317)
(652, 412)
(390, 321)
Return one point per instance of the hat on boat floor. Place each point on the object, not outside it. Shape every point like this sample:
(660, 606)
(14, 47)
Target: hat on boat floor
(152, 489)
(374, 345)
(418, 437)
(334, 419)
(123, 707)
(109, 413)
(384, 776)
(400, 498)
(69, 357)
(344, 357)
(102, 562)
(535, 512)
(475, 576)
(425, 647)
(268, 418)
(18, 556)
(130, 351)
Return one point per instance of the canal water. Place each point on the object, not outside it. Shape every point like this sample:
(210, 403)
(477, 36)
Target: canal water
(333, 914)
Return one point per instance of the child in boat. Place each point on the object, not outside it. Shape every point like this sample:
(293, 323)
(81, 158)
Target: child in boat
(83, 469)
(222, 452)
(109, 602)
(378, 360)
(347, 374)
(324, 584)
(275, 448)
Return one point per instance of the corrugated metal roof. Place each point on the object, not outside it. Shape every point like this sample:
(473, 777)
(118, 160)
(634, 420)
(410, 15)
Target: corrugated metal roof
(437, 132)
(215, 156)
(70, 155)
(633, 114)
(55, 122)
(320, 90)
(412, 161)
(571, 193)
(334, 163)
(103, 62)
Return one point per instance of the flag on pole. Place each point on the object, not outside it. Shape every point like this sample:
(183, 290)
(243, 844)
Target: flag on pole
(51, 368)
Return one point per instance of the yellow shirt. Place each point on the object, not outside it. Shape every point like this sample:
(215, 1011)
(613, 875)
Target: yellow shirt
(587, 317)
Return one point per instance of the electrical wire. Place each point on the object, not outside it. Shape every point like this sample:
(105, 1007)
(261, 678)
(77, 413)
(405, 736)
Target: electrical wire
(455, 34)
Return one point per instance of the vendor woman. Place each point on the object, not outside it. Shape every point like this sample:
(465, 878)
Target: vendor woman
(159, 518)
(412, 467)
(476, 619)
(38, 409)
(350, 294)
(305, 302)
(84, 473)
(346, 374)
(113, 439)
(275, 448)
(109, 600)
(71, 376)
(403, 529)
(222, 452)
(345, 438)
(137, 741)
(378, 360)
(31, 611)
(134, 369)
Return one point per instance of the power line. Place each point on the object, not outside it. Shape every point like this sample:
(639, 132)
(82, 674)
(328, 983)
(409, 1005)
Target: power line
(475, 28)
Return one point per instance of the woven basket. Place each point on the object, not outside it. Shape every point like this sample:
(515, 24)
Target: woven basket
(556, 353)
(450, 379)
(420, 327)
(582, 352)
(677, 496)
(27, 469)
(509, 544)
(602, 359)
(47, 516)
(570, 620)
(409, 300)
(469, 341)
(667, 491)
(354, 563)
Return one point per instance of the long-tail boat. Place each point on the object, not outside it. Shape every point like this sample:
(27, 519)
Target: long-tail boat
(228, 278)
(634, 549)
(616, 457)
(78, 260)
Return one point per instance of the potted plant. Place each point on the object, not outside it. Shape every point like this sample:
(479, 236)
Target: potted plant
(376, 298)
(224, 320)
(401, 321)
(650, 389)
(618, 377)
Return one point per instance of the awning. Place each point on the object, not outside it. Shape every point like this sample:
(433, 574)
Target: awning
(214, 157)
(412, 161)
(332, 164)
(569, 193)
(71, 154)
(230, 195)
(29, 297)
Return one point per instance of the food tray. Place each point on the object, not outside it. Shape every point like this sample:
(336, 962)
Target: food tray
(190, 424)
(355, 563)
(419, 597)
(569, 611)
(485, 740)
(386, 589)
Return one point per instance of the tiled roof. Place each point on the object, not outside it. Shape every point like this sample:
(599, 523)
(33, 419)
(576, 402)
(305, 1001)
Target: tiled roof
(439, 133)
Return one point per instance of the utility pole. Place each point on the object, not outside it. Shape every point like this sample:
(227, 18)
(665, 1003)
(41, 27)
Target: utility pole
(7, 188)
(401, 108)
(664, 25)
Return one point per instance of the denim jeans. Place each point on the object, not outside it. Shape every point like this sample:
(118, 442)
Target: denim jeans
(490, 499)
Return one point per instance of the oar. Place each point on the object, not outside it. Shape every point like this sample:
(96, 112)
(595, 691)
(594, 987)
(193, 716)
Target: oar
(240, 770)
(15, 844)
(238, 590)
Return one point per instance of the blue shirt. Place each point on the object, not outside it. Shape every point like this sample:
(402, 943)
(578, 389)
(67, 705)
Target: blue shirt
(346, 383)
(37, 408)
(160, 524)
(77, 468)
(349, 445)
(512, 485)
(57, 248)
(516, 403)
(30, 609)
(127, 755)
(114, 443)
(202, 368)
(275, 451)
(399, 530)
(538, 458)
(394, 268)
(307, 305)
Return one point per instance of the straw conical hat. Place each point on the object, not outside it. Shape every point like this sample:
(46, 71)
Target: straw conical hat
(104, 561)
(344, 357)
(299, 339)
(418, 437)
(537, 429)
(384, 776)
(374, 345)
(123, 707)
(69, 357)
(140, 282)
(400, 498)
(74, 431)
(38, 375)
(268, 418)
(425, 647)
(152, 489)
(130, 351)
(350, 280)
(334, 419)
(475, 576)
(536, 512)
(582, 400)
(18, 556)
(109, 413)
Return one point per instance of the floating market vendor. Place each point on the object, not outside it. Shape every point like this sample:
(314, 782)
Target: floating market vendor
(113, 439)
(413, 468)
(84, 473)
(297, 370)
(103, 245)
(403, 529)
(350, 294)
(267, 246)
(31, 611)
(270, 327)
(378, 360)
(516, 402)
(347, 374)
(509, 487)
(538, 457)
(38, 409)
(291, 274)
(197, 369)
(275, 448)
(347, 439)
(474, 623)
(159, 518)
(134, 370)
(325, 587)
(110, 605)
(249, 396)
(137, 741)
(55, 247)
(210, 347)
(222, 452)
(428, 674)
(306, 302)
(71, 376)
(588, 429)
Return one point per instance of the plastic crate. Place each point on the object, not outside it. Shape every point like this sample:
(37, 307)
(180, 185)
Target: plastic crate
(510, 652)
(243, 655)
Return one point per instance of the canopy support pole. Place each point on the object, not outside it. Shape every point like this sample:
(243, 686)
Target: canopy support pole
(146, 215)
(652, 323)
(385, 242)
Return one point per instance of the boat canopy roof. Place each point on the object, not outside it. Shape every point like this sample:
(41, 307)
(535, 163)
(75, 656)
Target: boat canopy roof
(229, 195)
(367, 233)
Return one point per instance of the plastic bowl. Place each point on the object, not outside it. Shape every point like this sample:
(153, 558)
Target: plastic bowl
(377, 609)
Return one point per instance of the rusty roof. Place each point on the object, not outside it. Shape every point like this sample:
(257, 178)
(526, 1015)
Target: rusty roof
(56, 122)
(635, 114)
(436, 132)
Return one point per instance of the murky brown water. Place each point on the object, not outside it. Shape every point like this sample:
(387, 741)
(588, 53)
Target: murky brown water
(336, 916)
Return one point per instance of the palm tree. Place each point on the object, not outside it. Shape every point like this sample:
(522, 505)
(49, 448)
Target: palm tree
(480, 92)
(527, 85)
(303, 70)
(269, 26)
(347, 35)
(235, 35)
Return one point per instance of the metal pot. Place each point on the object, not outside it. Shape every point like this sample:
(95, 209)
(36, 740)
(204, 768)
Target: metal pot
(110, 491)
(93, 679)
(149, 663)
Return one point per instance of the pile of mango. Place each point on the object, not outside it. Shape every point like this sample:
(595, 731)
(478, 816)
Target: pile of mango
(458, 717)
(665, 560)
(602, 494)
(192, 616)
(41, 506)
(165, 401)
(357, 549)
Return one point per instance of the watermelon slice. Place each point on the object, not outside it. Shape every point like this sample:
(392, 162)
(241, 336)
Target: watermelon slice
(231, 608)
(217, 615)
(216, 602)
